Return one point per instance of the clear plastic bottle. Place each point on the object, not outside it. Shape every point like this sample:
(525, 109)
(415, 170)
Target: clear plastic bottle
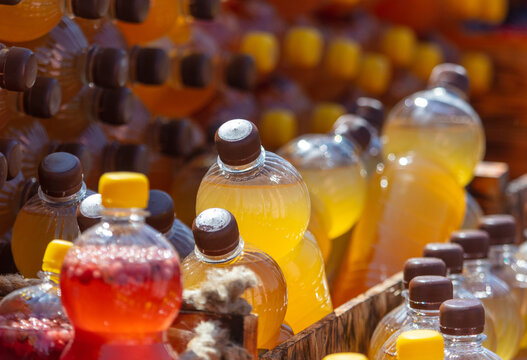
(121, 281)
(219, 245)
(33, 323)
(50, 214)
(400, 316)
(462, 322)
(438, 124)
(420, 344)
(493, 292)
(402, 198)
(22, 65)
(426, 294)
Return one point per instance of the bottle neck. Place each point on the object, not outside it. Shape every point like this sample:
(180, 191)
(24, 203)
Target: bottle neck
(502, 254)
(453, 91)
(49, 277)
(117, 215)
(477, 266)
(456, 278)
(464, 344)
(424, 317)
(63, 201)
(222, 259)
(254, 165)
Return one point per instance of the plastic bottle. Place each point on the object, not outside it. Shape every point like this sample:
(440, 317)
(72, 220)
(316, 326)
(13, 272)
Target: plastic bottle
(400, 316)
(219, 245)
(426, 294)
(33, 323)
(403, 196)
(462, 323)
(420, 344)
(25, 20)
(493, 292)
(50, 214)
(121, 281)
(21, 65)
(438, 124)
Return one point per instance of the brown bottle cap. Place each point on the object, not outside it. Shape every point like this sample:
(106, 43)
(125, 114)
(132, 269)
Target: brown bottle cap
(29, 190)
(204, 9)
(161, 210)
(450, 253)
(462, 317)
(90, 9)
(238, 142)
(422, 266)
(89, 211)
(241, 72)
(114, 106)
(9, 2)
(501, 229)
(126, 157)
(429, 292)
(18, 68)
(196, 70)
(355, 129)
(152, 65)
(80, 151)
(60, 174)
(13, 154)
(179, 137)
(132, 11)
(109, 67)
(450, 76)
(475, 243)
(371, 110)
(216, 232)
(3, 170)
(43, 99)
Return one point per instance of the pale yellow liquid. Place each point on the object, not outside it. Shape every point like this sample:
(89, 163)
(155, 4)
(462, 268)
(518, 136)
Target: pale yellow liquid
(271, 217)
(308, 295)
(341, 191)
(456, 146)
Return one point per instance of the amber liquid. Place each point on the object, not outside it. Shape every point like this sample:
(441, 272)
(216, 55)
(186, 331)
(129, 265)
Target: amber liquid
(317, 228)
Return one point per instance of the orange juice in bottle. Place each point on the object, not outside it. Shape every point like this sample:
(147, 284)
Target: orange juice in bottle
(219, 245)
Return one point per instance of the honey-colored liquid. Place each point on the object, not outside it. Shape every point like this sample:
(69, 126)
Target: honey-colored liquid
(341, 191)
(455, 144)
(318, 229)
(268, 298)
(308, 298)
(411, 203)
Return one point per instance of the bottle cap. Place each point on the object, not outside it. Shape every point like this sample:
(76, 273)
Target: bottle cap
(238, 142)
(422, 266)
(279, 126)
(450, 75)
(54, 255)
(241, 72)
(114, 106)
(343, 59)
(480, 71)
(126, 157)
(475, 243)
(196, 70)
(375, 74)
(429, 292)
(419, 345)
(110, 67)
(60, 174)
(43, 99)
(450, 253)
(204, 9)
(303, 47)
(399, 43)
(13, 154)
(462, 317)
(501, 228)
(179, 137)
(345, 356)
(264, 49)
(161, 211)
(152, 65)
(493, 11)
(89, 212)
(18, 68)
(132, 11)
(216, 232)
(90, 9)
(371, 110)
(124, 190)
(80, 150)
(354, 128)
(325, 115)
(3, 170)
(427, 57)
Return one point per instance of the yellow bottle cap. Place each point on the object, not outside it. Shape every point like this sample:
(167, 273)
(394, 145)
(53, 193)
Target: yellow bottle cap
(279, 126)
(419, 345)
(346, 356)
(464, 9)
(124, 190)
(398, 43)
(343, 59)
(324, 116)
(375, 74)
(427, 57)
(493, 11)
(263, 47)
(303, 47)
(480, 71)
(54, 255)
